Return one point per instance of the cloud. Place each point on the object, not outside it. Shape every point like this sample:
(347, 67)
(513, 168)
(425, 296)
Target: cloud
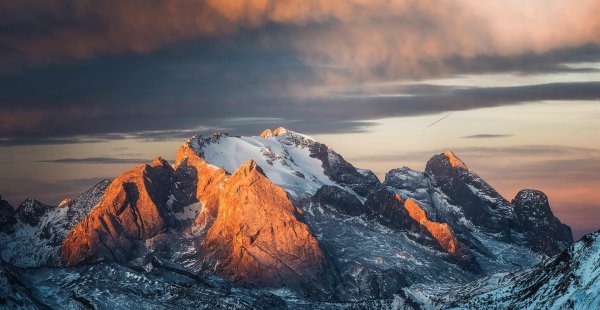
(343, 113)
(160, 70)
(482, 154)
(365, 38)
(97, 160)
(487, 136)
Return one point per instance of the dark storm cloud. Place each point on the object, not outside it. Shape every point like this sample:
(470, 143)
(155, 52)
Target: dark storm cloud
(179, 107)
(552, 61)
(487, 136)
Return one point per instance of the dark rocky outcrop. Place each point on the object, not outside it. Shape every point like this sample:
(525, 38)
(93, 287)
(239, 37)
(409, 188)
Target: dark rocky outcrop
(480, 203)
(342, 172)
(388, 208)
(7, 216)
(340, 199)
(543, 231)
(30, 211)
(527, 220)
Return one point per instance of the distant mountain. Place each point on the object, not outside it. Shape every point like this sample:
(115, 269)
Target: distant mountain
(271, 221)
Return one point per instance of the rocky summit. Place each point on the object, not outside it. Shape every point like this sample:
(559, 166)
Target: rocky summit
(281, 221)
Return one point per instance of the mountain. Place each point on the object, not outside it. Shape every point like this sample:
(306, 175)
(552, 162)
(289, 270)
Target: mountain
(570, 280)
(272, 221)
(33, 234)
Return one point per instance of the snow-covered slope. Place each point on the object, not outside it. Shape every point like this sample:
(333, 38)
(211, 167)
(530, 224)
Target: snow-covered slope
(40, 229)
(287, 162)
(294, 161)
(570, 280)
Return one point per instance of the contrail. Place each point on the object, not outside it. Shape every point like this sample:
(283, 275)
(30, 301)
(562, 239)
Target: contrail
(439, 120)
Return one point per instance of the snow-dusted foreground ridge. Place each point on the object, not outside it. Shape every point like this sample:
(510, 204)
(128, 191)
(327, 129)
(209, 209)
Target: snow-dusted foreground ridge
(570, 280)
(280, 220)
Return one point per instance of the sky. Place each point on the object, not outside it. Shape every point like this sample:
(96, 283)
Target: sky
(89, 89)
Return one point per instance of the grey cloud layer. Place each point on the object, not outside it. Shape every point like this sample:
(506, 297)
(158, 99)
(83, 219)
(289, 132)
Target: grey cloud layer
(95, 71)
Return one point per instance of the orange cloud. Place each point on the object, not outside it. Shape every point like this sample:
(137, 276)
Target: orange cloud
(369, 39)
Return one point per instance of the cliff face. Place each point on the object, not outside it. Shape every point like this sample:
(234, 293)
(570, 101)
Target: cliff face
(441, 232)
(479, 202)
(250, 230)
(543, 231)
(256, 236)
(199, 181)
(132, 208)
(388, 208)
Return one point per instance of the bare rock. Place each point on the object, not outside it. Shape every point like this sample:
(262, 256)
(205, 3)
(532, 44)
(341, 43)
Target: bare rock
(132, 208)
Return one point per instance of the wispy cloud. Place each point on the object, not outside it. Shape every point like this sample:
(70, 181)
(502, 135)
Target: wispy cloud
(487, 136)
(97, 160)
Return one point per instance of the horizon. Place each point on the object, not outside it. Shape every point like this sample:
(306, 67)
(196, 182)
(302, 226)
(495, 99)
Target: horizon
(91, 91)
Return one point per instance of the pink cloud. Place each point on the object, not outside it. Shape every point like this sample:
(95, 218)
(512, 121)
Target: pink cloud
(369, 39)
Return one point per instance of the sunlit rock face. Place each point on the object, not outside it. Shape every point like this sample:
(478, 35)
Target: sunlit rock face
(256, 236)
(250, 230)
(132, 208)
(441, 232)
(543, 231)
(395, 212)
(266, 133)
(199, 181)
(455, 162)
(247, 229)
